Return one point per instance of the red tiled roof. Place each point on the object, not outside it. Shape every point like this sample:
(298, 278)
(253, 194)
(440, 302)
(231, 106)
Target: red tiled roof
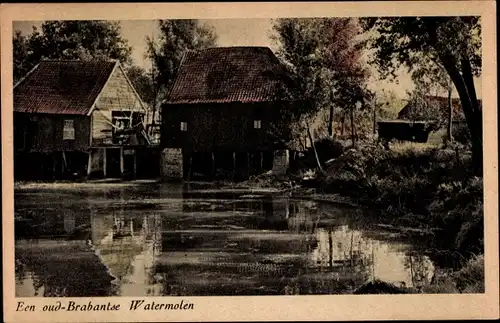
(62, 86)
(228, 74)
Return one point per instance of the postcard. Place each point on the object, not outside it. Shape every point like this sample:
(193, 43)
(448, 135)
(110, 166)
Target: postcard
(249, 161)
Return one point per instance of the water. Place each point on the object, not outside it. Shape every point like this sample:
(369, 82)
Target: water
(150, 240)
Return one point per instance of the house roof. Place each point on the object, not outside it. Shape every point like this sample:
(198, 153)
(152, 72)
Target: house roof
(440, 103)
(62, 86)
(228, 74)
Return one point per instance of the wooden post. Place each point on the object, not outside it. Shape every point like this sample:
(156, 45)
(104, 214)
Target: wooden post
(105, 163)
(261, 162)
(234, 165)
(64, 163)
(54, 165)
(314, 147)
(135, 163)
(330, 122)
(190, 166)
(330, 247)
(89, 164)
(248, 163)
(122, 166)
(213, 165)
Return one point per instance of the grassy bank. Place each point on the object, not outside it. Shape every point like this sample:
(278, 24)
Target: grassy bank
(424, 189)
(420, 187)
(469, 279)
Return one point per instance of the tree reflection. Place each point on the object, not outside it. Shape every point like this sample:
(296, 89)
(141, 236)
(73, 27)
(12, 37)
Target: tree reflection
(342, 254)
(420, 269)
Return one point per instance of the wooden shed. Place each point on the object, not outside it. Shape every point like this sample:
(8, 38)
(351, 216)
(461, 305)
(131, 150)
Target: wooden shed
(77, 117)
(222, 110)
(404, 130)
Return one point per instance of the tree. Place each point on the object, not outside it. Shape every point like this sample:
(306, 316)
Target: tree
(352, 96)
(453, 43)
(166, 52)
(176, 37)
(342, 57)
(434, 77)
(142, 83)
(69, 40)
(298, 41)
(325, 57)
(21, 55)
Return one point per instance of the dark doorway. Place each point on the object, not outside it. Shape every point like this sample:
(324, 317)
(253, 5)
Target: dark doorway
(128, 163)
(148, 163)
(113, 162)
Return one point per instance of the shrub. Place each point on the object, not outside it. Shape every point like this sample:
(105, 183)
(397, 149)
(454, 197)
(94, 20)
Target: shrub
(460, 133)
(420, 186)
(470, 279)
(328, 149)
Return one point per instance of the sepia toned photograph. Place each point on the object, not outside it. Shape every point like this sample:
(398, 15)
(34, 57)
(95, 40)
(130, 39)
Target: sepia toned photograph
(298, 168)
(197, 157)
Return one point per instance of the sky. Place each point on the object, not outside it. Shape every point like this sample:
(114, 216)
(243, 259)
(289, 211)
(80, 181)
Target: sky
(231, 32)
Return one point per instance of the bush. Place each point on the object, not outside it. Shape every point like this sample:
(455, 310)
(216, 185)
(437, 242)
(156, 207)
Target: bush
(470, 279)
(417, 186)
(460, 133)
(326, 149)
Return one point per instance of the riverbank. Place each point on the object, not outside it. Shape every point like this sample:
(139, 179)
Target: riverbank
(417, 190)
(468, 280)
(421, 192)
(426, 188)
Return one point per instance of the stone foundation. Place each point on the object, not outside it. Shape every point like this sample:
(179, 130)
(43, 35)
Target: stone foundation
(97, 161)
(281, 162)
(172, 163)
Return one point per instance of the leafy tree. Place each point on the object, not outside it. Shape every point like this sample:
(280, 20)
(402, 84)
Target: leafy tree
(352, 96)
(298, 41)
(142, 82)
(434, 77)
(342, 56)
(325, 58)
(453, 43)
(21, 53)
(166, 52)
(176, 36)
(69, 40)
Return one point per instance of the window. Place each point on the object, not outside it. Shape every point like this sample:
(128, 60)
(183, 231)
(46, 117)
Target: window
(184, 126)
(257, 124)
(123, 124)
(69, 130)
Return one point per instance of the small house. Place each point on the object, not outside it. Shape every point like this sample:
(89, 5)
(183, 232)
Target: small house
(425, 120)
(74, 117)
(222, 113)
(431, 107)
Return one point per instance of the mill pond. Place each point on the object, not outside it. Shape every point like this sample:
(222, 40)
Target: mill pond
(179, 239)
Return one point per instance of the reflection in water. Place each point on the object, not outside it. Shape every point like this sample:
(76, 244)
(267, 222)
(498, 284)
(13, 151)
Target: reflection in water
(165, 240)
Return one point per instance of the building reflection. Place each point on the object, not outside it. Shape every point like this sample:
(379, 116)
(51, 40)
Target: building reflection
(180, 243)
(128, 246)
(69, 222)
